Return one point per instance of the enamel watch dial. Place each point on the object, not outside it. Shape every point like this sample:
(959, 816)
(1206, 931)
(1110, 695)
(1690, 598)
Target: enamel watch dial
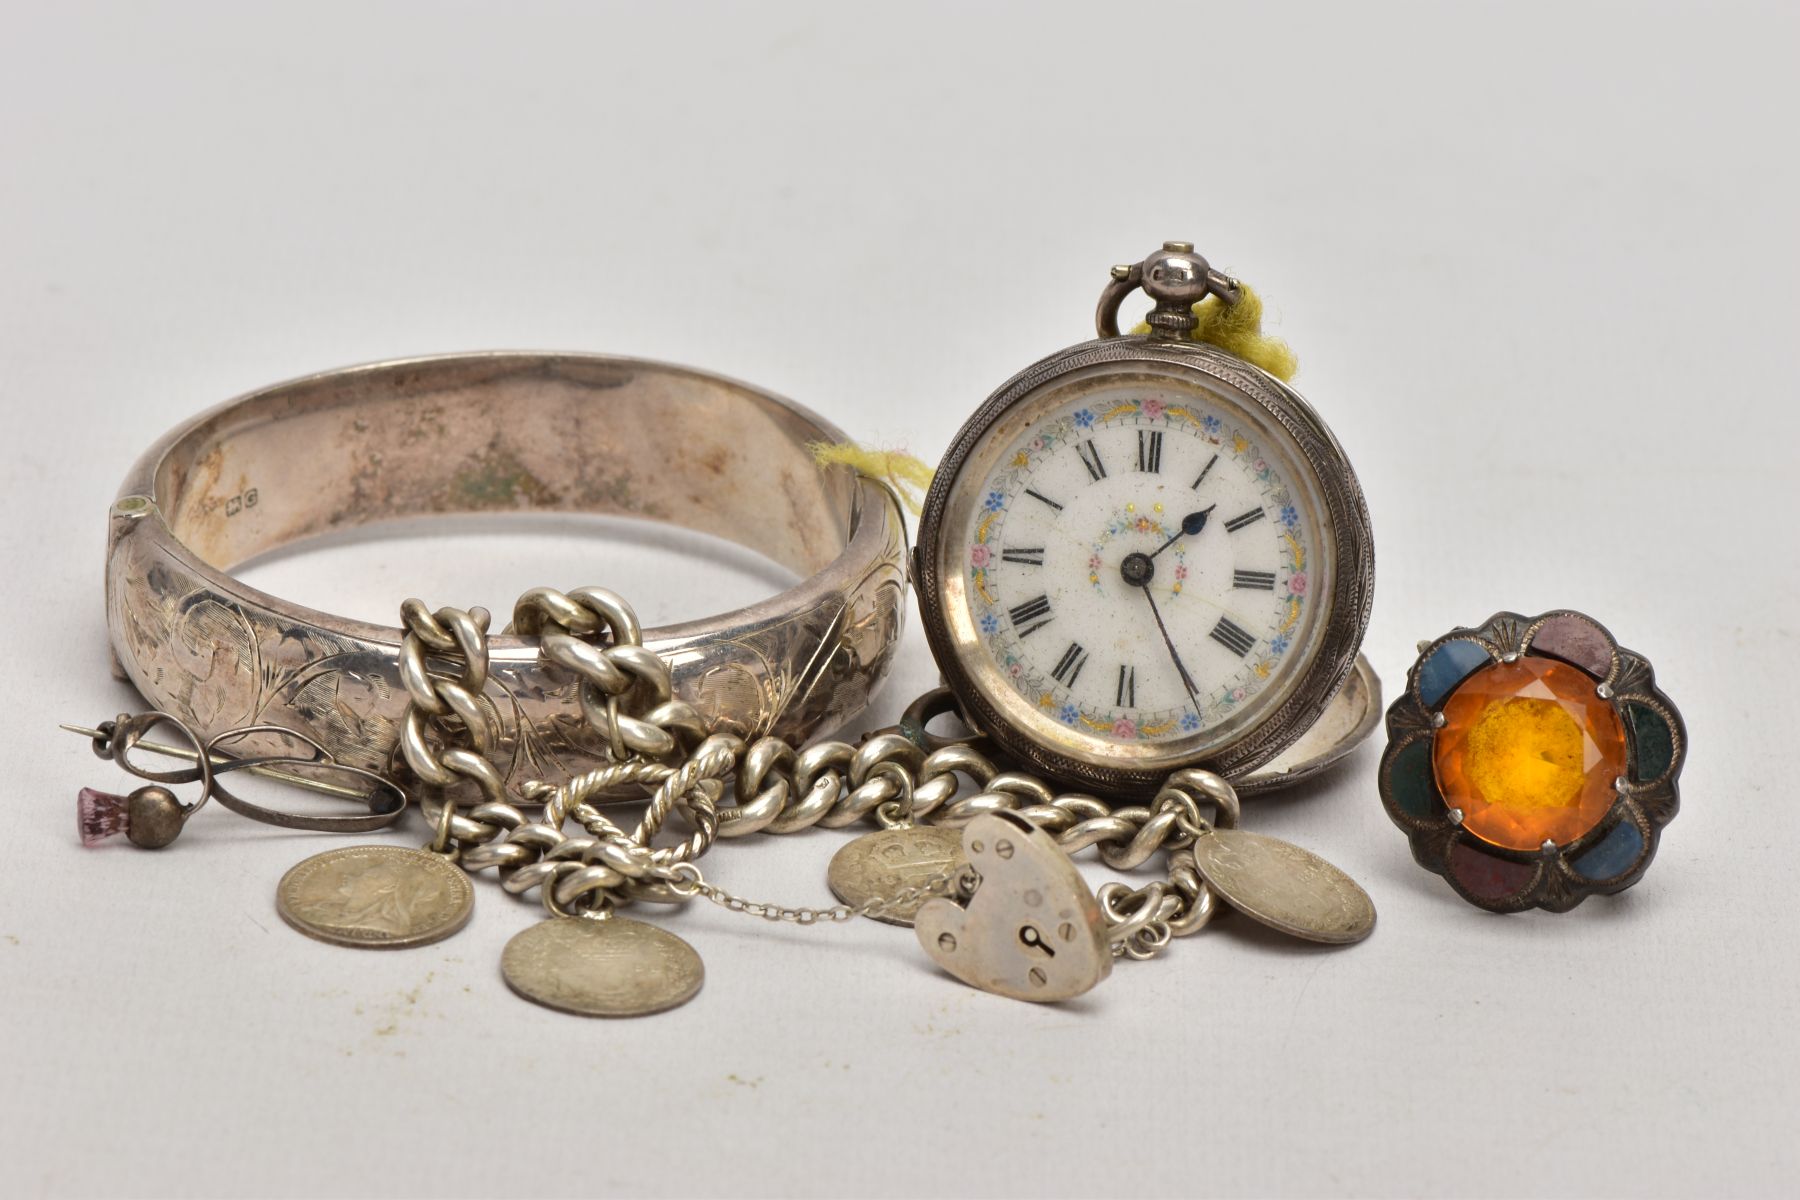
(1142, 555)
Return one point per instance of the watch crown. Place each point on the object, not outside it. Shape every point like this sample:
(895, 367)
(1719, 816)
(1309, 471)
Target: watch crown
(1177, 279)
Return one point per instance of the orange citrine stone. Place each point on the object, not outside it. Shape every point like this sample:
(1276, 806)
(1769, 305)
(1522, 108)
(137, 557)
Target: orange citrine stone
(1529, 752)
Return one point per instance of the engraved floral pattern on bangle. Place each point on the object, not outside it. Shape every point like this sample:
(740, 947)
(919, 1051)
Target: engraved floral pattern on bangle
(217, 663)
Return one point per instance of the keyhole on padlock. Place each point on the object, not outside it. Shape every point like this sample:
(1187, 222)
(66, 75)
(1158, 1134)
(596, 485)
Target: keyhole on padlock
(1031, 939)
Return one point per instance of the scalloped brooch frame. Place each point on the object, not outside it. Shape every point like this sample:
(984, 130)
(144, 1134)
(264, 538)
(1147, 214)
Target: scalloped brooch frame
(1603, 846)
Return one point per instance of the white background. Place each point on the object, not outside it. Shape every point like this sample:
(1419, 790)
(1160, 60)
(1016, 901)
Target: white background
(1539, 264)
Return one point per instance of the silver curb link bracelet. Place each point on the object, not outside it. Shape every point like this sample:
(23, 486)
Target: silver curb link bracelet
(888, 780)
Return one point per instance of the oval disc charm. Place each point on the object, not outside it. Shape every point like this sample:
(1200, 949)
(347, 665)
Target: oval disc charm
(1284, 887)
(880, 865)
(378, 897)
(611, 967)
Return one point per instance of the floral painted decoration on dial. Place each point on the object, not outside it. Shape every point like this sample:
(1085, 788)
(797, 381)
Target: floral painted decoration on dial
(1532, 762)
(1133, 474)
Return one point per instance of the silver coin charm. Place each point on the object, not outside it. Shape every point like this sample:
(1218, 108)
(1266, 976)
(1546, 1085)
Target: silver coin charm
(610, 967)
(376, 897)
(1284, 887)
(883, 864)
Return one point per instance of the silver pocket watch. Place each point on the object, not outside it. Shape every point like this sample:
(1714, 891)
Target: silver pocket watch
(1142, 553)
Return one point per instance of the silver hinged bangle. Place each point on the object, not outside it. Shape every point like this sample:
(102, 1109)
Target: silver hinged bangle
(496, 433)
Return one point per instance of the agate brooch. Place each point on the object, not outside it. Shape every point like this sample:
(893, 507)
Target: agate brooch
(1532, 761)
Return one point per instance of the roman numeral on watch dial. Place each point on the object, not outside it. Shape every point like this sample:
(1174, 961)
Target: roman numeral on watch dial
(1150, 450)
(1068, 667)
(1090, 458)
(1041, 544)
(1229, 635)
(1030, 616)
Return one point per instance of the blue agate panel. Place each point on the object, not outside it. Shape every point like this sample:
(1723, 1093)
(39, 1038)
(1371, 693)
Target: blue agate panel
(1449, 665)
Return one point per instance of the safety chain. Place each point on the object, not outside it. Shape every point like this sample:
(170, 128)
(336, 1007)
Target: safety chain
(684, 880)
(659, 742)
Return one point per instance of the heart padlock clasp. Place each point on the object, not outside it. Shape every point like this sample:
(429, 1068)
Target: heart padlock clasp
(1032, 929)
